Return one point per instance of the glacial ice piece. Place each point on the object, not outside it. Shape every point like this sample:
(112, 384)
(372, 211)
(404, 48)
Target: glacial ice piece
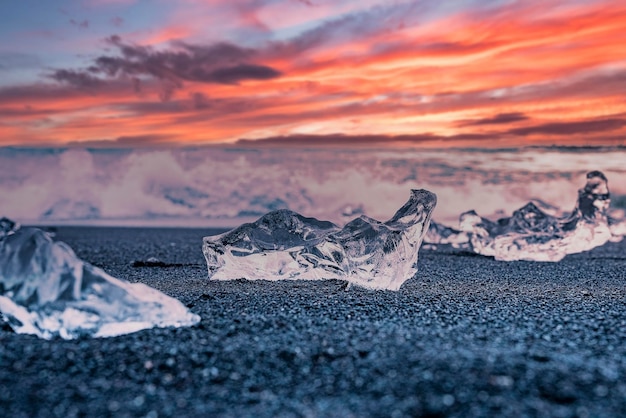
(7, 227)
(532, 234)
(285, 245)
(440, 236)
(535, 235)
(47, 291)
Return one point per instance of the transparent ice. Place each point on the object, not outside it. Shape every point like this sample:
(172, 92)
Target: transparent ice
(534, 234)
(442, 236)
(285, 245)
(46, 290)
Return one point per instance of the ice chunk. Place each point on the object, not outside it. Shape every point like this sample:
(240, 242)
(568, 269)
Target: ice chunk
(533, 234)
(440, 236)
(46, 290)
(285, 245)
(7, 227)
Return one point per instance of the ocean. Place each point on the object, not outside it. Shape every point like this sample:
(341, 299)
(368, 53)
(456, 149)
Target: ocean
(225, 186)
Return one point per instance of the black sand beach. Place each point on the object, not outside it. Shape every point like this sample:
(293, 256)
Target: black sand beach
(469, 336)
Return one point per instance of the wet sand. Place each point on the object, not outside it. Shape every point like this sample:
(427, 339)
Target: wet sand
(468, 336)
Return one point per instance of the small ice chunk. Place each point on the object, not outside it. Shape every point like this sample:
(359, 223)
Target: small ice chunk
(285, 245)
(440, 236)
(46, 290)
(7, 227)
(535, 235)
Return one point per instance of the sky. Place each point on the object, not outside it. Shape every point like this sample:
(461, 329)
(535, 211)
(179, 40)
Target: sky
(480, 73)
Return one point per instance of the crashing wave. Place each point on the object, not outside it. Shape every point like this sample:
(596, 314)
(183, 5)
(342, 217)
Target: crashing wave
(46, 290)
(285, 245)
(532, 233)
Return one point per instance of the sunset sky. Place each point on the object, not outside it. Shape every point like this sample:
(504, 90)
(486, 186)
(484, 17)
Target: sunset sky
(434, 73)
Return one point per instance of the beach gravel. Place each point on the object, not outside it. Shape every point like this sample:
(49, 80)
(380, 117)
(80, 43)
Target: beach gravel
(468, 336)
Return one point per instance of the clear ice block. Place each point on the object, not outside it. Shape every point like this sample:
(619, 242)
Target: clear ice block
(46, 290)
(442, 236)
(532, 234)
(285, 245)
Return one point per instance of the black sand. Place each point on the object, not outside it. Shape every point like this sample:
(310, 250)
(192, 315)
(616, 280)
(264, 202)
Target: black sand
(468, 336)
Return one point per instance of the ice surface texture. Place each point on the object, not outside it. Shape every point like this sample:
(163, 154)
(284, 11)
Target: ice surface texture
(285, 245)
(46, 290)
(533, 234)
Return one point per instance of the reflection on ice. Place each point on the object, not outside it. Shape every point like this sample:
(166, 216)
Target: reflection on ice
(285, 245)
(47, 291)
(532, 233)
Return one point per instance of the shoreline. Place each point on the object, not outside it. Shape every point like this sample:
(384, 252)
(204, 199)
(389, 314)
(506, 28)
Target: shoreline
(468, 336)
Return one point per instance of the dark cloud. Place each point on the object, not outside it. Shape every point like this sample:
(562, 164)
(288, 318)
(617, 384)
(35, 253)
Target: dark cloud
(326, 140)
(182, 62)
(571, 128)
(77, 79)
(299, 140)
(153, 107)
(218, 54)
(125, 142)
(237, 73)
(501, 118)
(222, 63)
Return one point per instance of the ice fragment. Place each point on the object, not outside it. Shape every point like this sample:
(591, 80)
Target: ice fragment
(532, 233)
(46, 290)
(285, 245)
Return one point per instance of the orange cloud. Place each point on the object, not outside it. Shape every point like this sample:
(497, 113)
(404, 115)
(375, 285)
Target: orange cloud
(562, 68)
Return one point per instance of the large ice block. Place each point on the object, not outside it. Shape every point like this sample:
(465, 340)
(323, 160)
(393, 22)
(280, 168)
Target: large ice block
(532, 234)
(46, 290)
(285, 245)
